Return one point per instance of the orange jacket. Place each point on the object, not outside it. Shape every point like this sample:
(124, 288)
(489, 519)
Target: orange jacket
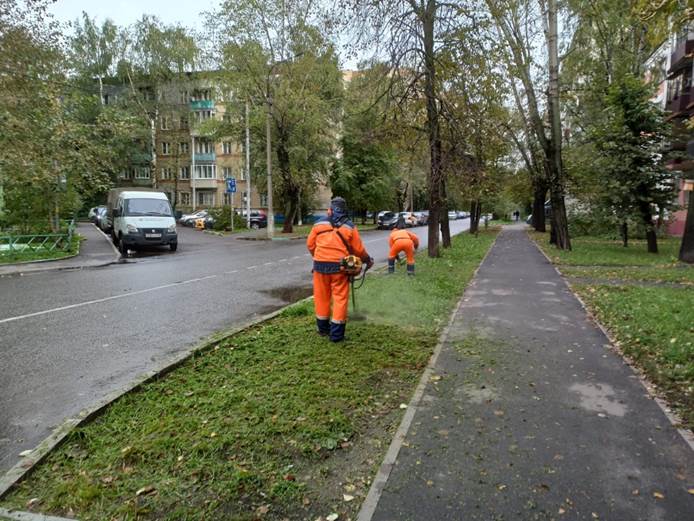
(328, 248)
(397, 235)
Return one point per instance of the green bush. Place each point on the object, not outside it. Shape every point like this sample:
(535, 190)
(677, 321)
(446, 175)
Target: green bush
(222, 220)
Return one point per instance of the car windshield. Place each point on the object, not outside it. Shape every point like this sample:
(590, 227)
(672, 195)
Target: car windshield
(155, 207)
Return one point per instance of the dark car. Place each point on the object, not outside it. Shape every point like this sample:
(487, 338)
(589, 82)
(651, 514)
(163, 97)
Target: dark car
(387, 220)
(99, 218)
(258, 218)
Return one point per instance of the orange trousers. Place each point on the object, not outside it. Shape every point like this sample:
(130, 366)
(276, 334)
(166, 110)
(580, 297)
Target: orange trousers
(327, 287)
(403, 245)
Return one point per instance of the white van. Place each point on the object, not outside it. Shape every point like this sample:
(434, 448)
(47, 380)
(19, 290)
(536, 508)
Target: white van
(141, 218)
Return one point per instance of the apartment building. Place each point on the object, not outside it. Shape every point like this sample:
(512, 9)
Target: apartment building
(190, 167)
(671, 68)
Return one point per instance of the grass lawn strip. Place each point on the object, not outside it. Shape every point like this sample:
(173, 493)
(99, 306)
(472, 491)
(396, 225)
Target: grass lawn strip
(31, 256)
(273, 423)
(653, 325)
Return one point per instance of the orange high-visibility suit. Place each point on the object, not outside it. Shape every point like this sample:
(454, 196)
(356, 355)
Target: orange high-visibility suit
(402, 240)
(328, 245)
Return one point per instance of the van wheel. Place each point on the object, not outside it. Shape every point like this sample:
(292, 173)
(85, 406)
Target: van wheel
(173, 246)
(122, 248)
(255, 226)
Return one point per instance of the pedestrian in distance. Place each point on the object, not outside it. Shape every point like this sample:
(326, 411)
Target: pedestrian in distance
(331, 241)
(402, 240)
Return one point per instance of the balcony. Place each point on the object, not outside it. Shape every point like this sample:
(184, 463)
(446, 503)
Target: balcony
(141, 157)
(679, 105)
(681, 57)
(202, 104)
(208, 157)
(202, 183)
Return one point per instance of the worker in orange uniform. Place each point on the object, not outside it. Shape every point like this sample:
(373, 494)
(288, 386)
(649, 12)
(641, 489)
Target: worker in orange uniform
(402, 240)
(330, 241)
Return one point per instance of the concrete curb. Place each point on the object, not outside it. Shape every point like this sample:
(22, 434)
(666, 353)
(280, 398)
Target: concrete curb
(38, 454)
(686, 434)
(379, 482)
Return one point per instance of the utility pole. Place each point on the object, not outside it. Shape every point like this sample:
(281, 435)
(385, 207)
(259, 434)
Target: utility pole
(248, 171)
(192, 168)
(268, 150)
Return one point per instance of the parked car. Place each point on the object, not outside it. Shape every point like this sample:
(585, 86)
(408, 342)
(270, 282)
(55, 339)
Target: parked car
(548, 213)
(92, 215)
(462, 215)
(190, 218)
(258, 218)
(386, 220)
(140, 219)
(100, 217)
(410, 218)
(422, 218)
(452, 216)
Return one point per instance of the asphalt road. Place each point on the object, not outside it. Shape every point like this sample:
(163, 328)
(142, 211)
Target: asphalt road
(69, 338)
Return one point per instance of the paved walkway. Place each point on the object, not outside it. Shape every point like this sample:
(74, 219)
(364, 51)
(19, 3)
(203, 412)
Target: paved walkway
(95, 250)
(531, 417)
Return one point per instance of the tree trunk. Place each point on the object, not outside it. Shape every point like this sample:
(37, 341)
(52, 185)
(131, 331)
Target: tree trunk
(434, 177)
(475, 212)
(445, 223)
(624, 232)
(560, 225)
(687, 247)
(651, 238)
(539, 198)
(153, 131)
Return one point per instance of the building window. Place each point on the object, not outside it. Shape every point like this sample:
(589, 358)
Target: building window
(202, 115)
(165, 148)
(184, 198)
(125, 174)
(242, 174)
(202, 94)
(142, 172)
(226, 172)
(226, 147)
(165, 122)
(185, 98)
(167, 173)
(183, 147)
(205, 171)
(227, 199)
(106, 100)
(203, 146)
(183, 123)
(205, 198)
(244, 196)
(263, 199)
(184, 173)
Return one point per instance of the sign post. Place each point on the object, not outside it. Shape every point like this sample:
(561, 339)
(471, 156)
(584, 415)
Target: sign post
(231, 189)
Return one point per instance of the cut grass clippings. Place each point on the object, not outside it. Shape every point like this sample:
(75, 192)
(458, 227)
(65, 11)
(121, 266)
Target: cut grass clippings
(653, 325)
(273, 423)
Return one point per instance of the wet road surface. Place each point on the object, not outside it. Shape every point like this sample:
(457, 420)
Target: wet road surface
(69, 338)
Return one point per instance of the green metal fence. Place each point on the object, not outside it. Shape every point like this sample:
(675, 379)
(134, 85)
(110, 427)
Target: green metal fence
(11, 244)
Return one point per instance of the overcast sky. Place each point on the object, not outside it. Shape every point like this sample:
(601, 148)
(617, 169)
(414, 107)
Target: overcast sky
(125, 12)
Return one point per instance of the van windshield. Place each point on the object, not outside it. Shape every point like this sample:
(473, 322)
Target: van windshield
(156, 207)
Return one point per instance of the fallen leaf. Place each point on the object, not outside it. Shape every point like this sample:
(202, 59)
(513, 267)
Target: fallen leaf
(149, 489)
(213, 435)
(498, 413)
(501, 487)
(180, 458)
(594, 515)
(635, 492)
(561, 511)
(347, 497)
(25, 453)
(691, 491)
(33, 501)
(403, 406)
(350, 488)
(430, 483)
(332, 517)
(262, 510)
(306, 501)
(435, 378)
(289, 477)
(658, 495)
(107, 479)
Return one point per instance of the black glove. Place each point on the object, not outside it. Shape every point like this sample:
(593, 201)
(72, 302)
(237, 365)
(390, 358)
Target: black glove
(369, 263)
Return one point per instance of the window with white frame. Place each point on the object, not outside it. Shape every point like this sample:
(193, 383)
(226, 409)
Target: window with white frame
(142, 172)
(202, 115)
(242, 174)
(167, 172)
(183, 147)
(126, 174)
(165, 148)
(185, 98)
(205, 198)
(184, 172)
(244, 196)
(263, 199)
(205, 171)
(203, 146)
(227, 199)
(184, 198)
(202, 94)
(165, 121)
(183, 123)
(226, 147)
(226, 172)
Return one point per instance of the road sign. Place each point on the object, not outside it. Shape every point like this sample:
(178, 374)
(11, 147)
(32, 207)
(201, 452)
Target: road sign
(231, 185)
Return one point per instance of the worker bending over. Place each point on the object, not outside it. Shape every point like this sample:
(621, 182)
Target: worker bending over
(332, 240)
(402, 240)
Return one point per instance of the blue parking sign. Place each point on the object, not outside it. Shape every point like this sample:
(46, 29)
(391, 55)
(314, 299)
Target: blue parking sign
(231, 185)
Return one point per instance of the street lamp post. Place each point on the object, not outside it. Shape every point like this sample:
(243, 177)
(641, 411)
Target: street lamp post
(268, 151)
